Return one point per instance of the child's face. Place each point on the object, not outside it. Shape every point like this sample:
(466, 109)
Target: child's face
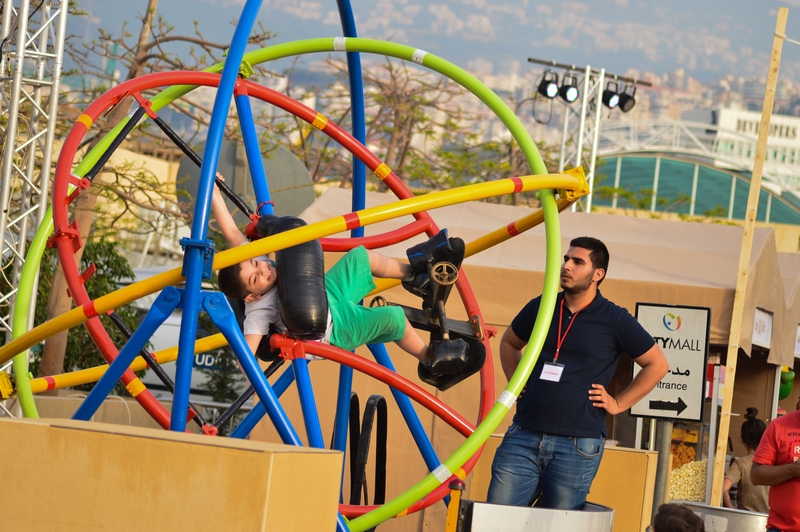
(259, 276)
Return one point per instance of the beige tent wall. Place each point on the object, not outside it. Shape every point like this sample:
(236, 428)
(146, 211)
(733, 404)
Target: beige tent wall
(790, 271)
(789, 265)
(787, 237)
(755, 380)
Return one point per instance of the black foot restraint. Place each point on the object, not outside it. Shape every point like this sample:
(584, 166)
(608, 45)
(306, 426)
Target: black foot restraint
(451, 361)
(439, 248)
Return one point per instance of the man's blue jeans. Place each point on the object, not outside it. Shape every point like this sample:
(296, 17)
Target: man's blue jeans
(561, 467)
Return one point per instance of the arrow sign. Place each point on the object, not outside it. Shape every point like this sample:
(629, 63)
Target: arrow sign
(678, 406)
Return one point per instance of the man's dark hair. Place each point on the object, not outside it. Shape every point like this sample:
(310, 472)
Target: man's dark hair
(598, 252)
(230, 282)
(753, 428)
(677, 518)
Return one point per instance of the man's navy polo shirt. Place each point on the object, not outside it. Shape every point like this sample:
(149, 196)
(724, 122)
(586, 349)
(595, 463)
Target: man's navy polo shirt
(590, 351)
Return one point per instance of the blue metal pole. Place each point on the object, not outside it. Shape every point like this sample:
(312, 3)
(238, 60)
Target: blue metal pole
(307, 403)
(254, 416)
(358, 203)
(342, 409)
(356, 108)
(196, 253)
(253, 150)
(223, 317)
(166, 302)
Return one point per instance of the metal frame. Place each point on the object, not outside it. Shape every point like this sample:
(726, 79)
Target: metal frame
(31, 61)
(582, 130)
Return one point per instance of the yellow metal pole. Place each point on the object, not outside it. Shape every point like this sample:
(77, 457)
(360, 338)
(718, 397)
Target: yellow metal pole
(744, 259)
(456, 489)
(85, 376)
(570, 184)
(488, 240)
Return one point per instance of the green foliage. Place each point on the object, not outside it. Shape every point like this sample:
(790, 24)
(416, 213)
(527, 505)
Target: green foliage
(112, 268)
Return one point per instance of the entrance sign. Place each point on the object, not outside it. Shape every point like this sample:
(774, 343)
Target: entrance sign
(682, 334)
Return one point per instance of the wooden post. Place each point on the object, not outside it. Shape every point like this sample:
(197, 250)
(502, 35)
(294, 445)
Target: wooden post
(744, 259)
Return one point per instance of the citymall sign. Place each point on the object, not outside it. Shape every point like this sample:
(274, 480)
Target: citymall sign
(682, 334)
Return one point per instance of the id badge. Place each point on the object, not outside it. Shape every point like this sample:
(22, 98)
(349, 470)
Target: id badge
(552, 371)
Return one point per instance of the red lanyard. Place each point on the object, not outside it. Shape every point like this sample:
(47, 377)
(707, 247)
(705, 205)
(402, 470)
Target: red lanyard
(559, 337)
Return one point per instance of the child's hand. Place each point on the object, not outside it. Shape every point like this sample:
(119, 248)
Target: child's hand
(217, 191)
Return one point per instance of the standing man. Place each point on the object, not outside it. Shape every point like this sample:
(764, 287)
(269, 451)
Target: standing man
(777, 464)
(555, 443)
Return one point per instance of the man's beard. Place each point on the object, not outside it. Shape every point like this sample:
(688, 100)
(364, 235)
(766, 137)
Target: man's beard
(580, 286)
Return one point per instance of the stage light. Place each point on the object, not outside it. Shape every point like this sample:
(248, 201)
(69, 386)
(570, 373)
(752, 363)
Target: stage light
(569, 88)
(548, 86)
(611, 95)
(627, 99)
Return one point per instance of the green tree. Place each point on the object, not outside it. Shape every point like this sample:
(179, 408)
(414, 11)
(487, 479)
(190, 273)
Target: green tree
(111, 269)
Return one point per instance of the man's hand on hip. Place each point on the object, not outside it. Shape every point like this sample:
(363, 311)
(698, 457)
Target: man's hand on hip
(601, 399)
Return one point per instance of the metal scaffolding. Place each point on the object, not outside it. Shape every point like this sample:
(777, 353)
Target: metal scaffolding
(581, 131)
(31, 58)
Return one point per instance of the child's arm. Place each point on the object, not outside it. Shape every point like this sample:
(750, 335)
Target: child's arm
(233, 235)
(253, 340)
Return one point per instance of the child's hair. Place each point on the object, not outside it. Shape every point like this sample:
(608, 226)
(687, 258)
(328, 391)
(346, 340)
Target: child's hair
(753, 428)
(677, 518)
(230, 282)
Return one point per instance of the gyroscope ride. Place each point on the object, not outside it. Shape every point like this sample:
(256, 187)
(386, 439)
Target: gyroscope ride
(556, 192)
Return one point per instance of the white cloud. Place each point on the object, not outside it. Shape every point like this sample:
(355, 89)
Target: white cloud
(516, 12)
(332, 18)
(479, 28)
(576, 8)
(304, 10)
(390, 14)
(558, 41)
(480, 4)
(445, 20)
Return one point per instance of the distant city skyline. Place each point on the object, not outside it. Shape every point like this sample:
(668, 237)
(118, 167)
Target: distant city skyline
(708, 40)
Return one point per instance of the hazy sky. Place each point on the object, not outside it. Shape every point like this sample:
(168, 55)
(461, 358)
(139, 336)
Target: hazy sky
(708, 38)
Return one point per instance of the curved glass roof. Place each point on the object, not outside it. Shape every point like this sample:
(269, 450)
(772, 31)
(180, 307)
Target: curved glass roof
(686, 187)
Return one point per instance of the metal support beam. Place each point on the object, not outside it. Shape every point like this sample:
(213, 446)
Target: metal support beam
(581, 131)
(30, 73)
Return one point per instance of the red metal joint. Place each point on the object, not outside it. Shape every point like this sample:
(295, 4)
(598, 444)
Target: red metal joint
(146, 104)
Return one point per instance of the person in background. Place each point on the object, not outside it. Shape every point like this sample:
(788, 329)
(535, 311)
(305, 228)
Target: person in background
(776, 464)
(676, 518)
(751, 498)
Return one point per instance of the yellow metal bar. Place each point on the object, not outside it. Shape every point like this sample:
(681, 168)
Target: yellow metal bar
(488, 240)
(563, 182)
(456, 488)
(501, 235)
(85, 376)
